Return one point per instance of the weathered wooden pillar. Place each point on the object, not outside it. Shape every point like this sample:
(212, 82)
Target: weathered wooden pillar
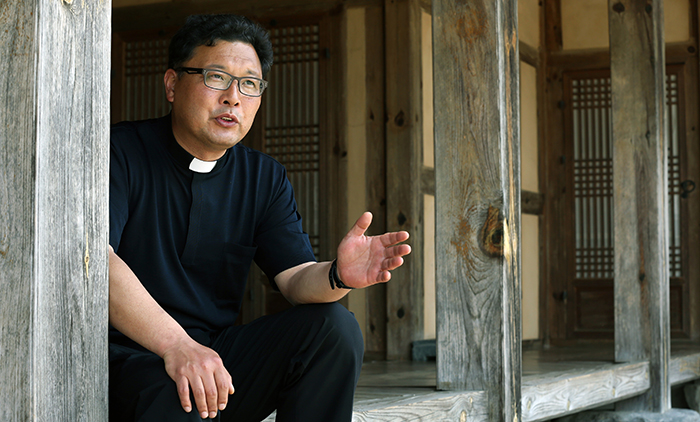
(639, 179)
(404, 161)
(54, 148)
(477, 193)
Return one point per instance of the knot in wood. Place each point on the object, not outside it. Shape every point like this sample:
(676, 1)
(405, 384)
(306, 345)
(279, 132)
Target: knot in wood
(492, 233)
(619, 7)
(400, 119)
(401, 219)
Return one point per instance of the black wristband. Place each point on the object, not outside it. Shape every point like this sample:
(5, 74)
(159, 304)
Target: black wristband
(334, 278)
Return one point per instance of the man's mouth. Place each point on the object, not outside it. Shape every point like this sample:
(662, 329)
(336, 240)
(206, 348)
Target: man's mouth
(227, 120)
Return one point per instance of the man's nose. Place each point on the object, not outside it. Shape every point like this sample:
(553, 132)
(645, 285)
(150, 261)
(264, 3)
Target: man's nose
(232, 95)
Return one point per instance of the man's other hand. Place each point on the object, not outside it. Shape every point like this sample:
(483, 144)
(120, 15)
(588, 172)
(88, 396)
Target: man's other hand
(199, 368)
(366, 260)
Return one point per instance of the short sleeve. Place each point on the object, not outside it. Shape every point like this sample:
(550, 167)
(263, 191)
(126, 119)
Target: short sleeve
(280, 239)
(118, 188)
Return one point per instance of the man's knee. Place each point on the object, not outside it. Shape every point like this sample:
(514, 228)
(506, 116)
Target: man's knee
(341, 329)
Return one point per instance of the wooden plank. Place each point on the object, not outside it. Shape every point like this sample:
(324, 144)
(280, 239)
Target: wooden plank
(684, 368)
(430, 407)
(404, 161)
(477, 191)
(554, 395)
(642, 328)
(375, 332)
(416, 405)
(54, 94)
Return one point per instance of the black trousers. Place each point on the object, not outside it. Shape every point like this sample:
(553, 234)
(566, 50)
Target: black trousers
(304, 362)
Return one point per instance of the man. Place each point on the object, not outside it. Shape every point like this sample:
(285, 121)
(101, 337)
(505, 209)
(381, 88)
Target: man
(190, 208)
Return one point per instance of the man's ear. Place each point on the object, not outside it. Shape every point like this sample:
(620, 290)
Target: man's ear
(170, 80)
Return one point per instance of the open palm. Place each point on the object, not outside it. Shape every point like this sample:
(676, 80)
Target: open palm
(366, 260)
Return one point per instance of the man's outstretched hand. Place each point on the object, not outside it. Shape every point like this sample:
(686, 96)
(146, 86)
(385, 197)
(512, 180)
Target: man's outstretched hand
(366, 260)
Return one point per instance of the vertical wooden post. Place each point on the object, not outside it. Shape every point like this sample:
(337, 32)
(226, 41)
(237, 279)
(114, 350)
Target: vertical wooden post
(640, 178)
(404, 159)
(376, 187)
(54, 149)
(477, 192)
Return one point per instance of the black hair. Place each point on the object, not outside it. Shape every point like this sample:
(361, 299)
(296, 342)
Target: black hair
(208, 29)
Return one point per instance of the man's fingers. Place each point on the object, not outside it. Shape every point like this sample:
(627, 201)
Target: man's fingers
(398, 250)
(200, 398)
(389, 239)
(183, 391)
(362, 224)
(223, 382)
(211, 390)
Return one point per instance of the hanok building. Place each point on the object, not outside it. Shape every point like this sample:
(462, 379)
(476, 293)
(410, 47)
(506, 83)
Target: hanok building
(542, 154)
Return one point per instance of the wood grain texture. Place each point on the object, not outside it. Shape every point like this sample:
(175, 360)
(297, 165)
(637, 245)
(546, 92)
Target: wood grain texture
(555, 394)
(54, 147)
(416, 405)
(478, 169)
(684, 368)
(404, 160)
(17, 193)
(375, 332)
(642, 328)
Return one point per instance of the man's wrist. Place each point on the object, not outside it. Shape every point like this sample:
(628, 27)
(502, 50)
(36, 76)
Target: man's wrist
(334, 278)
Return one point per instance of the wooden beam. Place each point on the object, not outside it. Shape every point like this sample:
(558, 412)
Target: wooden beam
(531, 202)
(54, 149)
(642, 328)
(553, 40)
(529, 55)
(404, 161)
(600, 58)
(375, 331)
(556, 394)
(477, 192)
(165, 14)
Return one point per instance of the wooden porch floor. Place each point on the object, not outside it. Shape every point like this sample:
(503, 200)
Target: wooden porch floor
(556, 382)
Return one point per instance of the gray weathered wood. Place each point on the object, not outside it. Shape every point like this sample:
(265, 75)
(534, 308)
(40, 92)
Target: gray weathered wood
(637, 69)
(54, 147)
(477, 192)
(404, 160)
(553, 395)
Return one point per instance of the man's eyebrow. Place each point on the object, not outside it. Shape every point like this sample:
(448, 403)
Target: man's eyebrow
(249, 71)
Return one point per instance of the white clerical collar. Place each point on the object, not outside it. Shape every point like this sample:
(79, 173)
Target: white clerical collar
(200, 166)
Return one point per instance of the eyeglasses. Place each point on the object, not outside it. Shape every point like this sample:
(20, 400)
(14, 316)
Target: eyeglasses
(221, 81)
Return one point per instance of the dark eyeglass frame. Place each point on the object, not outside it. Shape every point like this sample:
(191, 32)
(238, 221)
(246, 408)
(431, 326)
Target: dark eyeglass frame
(204, 72)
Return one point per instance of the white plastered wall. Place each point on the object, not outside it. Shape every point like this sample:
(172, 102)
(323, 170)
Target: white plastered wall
(529, 33)
(585, 23)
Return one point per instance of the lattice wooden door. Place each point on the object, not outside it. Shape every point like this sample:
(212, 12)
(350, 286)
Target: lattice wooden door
(589, 293)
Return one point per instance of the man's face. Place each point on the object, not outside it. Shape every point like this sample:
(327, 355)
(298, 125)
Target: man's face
(206, 122)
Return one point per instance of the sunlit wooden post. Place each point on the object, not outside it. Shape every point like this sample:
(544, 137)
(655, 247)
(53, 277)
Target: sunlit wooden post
(54, 153)
(477, 192)
(640, 176)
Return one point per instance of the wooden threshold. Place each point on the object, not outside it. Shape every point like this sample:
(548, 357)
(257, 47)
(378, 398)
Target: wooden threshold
(556, 382)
